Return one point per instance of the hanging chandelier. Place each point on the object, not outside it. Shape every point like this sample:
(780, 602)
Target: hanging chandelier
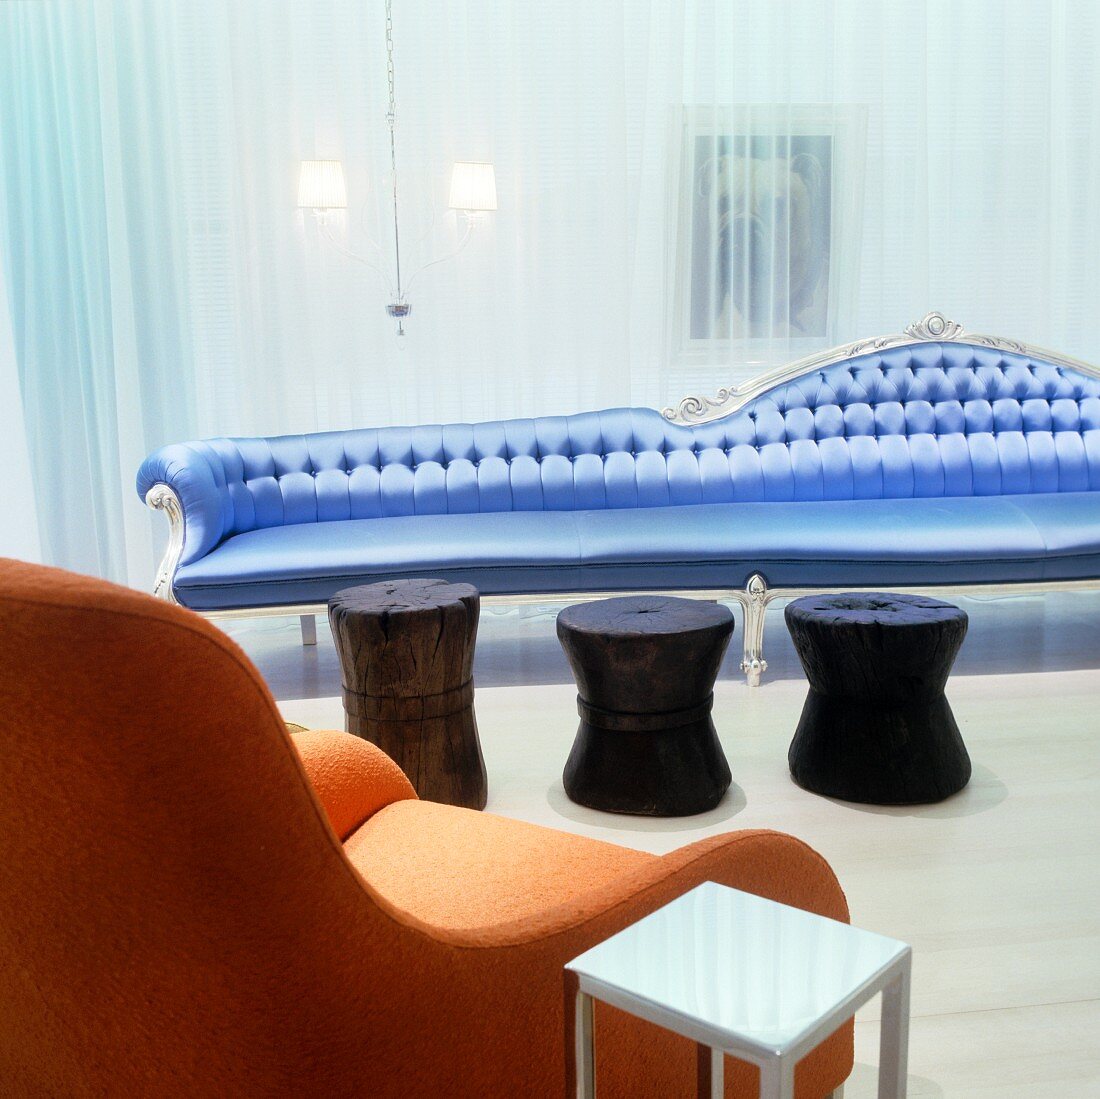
(322, 188)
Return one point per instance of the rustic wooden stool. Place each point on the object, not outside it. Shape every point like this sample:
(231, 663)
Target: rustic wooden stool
(407, 652)
(645, 668)
(876, 726)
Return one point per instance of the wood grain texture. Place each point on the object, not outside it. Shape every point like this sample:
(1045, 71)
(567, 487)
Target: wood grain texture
(876, 727)
(406, 651)
(645, 668)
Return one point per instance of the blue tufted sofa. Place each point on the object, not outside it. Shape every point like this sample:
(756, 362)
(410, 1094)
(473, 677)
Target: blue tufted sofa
(929, 459)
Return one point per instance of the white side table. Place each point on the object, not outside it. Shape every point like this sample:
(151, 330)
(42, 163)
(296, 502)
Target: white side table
(745, 976)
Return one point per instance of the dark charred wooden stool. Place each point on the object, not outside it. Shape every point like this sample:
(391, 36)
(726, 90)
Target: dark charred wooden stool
(645, 668)
(407, 652)
(876, 726)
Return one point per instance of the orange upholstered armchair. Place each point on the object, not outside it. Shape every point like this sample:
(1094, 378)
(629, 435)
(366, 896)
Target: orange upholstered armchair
(193, 903)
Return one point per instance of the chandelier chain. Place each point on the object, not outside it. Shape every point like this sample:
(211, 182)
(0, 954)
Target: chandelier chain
(389, 61)
(391, 119)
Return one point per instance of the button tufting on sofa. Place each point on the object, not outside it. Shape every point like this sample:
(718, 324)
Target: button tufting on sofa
(954, 464)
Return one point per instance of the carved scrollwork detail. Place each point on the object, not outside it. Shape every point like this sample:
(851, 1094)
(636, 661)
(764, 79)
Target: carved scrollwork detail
(935, 326)
(694, 408)
(867, 345)
(162, 497)
(757, 589)
(998, 343)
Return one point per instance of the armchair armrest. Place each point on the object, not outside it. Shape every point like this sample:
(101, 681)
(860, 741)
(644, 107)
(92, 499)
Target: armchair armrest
(351, 777)
(770, 864)
(521, 962)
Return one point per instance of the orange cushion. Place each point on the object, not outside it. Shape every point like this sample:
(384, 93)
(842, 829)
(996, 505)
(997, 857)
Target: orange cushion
(460, 869)
(351, 777)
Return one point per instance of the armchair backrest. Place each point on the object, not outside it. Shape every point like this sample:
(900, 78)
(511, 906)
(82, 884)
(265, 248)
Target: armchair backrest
(166, 872)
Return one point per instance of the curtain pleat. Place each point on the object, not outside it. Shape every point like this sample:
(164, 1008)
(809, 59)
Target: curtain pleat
(19, 536)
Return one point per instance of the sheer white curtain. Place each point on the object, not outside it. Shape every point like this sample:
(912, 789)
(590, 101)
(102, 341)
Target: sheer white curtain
(534, 313)
(18, 518)
(90, 238)
(690, 190)
(935, 155)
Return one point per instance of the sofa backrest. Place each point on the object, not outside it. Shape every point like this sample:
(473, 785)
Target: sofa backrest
(922, 419)
(926, 419)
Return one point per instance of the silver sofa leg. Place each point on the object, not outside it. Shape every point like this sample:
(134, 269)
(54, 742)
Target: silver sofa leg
(309, 629)
(754, 600)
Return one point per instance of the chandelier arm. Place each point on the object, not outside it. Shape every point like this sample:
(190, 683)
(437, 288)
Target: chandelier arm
(448, 255)
(363, 221)
(348, 254)
(431, 226)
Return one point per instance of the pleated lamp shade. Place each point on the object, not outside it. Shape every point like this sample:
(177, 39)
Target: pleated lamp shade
(473, 187)
(321, 185)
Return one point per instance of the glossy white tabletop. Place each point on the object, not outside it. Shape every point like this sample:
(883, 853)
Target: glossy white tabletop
(736, 970)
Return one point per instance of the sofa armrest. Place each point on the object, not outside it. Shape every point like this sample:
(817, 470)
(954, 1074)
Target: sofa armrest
(351, 777)
(181, 481)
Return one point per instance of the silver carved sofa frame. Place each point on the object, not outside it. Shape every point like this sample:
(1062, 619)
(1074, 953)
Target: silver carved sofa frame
(756, 595)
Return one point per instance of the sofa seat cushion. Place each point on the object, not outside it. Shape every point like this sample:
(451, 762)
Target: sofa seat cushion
(942, 540)
(1068, 521)
(308, 562)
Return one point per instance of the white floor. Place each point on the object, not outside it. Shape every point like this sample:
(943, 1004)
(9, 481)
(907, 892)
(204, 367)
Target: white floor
(997, 889)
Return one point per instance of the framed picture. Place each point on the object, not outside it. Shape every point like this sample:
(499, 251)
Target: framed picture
(768, 224)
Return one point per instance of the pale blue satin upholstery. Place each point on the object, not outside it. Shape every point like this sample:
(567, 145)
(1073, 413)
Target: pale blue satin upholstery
(926, 421)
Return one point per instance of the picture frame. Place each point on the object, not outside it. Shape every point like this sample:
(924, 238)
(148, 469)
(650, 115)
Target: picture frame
(767, 212)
